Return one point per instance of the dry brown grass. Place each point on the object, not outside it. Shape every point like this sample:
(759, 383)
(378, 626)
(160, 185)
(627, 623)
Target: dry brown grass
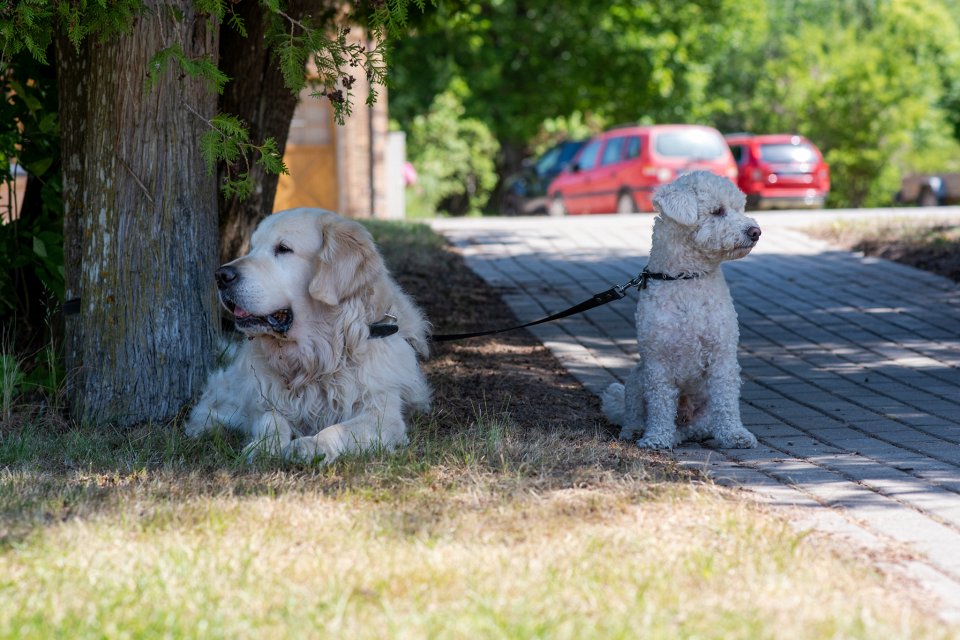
(488, 530)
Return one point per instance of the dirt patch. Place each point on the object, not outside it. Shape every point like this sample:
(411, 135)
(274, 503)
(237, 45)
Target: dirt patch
(510, 373)
(931, 246)
(944, 261)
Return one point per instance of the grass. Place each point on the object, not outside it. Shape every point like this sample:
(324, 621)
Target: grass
(481, 530)
(908, 230)
(483, 527)
(11, 377)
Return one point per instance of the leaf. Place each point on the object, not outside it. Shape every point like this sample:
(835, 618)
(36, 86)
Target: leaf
(236, 23)
(39, 248)
(270, 157)
(209, 149)
(39, 167)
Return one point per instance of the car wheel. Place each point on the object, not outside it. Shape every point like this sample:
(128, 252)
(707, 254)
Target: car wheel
(625, 204)
(557, 208)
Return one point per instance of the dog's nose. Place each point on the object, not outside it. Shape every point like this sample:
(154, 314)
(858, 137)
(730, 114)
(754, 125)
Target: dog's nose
(753, 233)
(226, 276)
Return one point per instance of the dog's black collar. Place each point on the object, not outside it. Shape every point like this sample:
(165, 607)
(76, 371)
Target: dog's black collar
(385, 328)
(645, 275)
(382, 329)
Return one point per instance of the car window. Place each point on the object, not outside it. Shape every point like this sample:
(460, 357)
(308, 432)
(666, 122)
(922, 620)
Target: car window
(787, 153)
(613, 151)
(548, 161)
(696, 144)
(738, 155)
(588, 157)
(568, 150)
(633, 148)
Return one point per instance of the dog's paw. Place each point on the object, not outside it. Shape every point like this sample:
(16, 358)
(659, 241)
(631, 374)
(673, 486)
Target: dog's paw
(655, 444)
(613, 405)
(311, 449)
(736, 439)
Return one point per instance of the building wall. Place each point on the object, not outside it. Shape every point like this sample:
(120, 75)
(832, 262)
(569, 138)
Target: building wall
(342, 168)
(310, 157)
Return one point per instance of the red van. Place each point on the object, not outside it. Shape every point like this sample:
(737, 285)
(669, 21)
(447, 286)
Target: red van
(780, 171)
(618, 170)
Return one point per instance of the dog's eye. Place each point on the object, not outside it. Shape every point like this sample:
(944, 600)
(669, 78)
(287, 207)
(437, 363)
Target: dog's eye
(281, 248)
(719, 212)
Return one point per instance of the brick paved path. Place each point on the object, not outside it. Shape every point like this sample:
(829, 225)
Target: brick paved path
(851, 370)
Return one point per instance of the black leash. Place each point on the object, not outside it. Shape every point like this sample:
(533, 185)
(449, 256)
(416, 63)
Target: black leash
(599, 299)
(386, 329)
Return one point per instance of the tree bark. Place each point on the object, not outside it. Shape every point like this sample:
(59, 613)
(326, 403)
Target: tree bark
(257, 95)
(140, 219)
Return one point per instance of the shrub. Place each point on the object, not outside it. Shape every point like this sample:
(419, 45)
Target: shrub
(453, 155)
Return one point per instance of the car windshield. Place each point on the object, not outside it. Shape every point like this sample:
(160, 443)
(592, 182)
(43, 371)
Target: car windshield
(787, 153)
(691, 143)
(548, 160)
(557, 158)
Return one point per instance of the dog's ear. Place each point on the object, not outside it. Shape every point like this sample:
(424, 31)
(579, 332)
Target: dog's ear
(347, 263)
(676, 202)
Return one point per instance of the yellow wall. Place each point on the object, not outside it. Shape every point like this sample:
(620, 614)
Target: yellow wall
(312, 181)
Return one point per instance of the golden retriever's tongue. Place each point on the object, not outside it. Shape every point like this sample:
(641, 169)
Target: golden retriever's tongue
(240, 313)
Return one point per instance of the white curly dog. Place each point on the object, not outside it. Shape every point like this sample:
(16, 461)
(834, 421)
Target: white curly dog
(687, 383)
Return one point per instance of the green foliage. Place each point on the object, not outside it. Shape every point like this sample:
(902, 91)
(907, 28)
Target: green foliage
(527, 62)
(868, 93)
(31, 247)
(29, 25)
(203, 68)
(555, 130)
(228, 141)
(453, 155)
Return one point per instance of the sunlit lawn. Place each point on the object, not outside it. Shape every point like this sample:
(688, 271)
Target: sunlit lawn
(483, 530)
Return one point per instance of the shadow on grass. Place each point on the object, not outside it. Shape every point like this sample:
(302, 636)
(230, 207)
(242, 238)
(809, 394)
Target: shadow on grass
(48, 477)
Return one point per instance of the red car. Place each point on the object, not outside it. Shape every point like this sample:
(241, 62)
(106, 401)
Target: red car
(780, 171)
(618, 170)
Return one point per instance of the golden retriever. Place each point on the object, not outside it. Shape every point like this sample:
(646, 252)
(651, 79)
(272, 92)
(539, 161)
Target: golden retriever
(313, 379)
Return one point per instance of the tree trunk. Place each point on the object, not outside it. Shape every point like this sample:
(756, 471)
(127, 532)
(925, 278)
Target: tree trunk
(509, 161)
(257, 95)
(140, 219)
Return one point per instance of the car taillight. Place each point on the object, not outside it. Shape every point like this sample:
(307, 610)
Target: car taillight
(662, 174)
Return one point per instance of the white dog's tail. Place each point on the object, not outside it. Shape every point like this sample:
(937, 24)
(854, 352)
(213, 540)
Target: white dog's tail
(613, 403)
